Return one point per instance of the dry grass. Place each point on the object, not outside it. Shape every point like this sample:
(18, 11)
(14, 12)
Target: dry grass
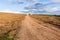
(51, 19)
(9, 23)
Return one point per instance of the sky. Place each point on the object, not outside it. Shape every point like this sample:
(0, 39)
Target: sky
(31, 6)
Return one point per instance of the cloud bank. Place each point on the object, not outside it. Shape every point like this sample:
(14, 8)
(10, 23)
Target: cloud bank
(57, 1)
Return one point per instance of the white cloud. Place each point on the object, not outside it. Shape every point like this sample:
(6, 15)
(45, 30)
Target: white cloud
(13, 0)
(9, 11)
(51, 9)
(34, 0)
(56, 1)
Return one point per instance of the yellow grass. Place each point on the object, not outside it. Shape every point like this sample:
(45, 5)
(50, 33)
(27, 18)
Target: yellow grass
(9, 23)
(51, 19)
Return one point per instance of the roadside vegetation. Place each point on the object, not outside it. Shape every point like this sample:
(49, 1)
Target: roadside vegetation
(51, 19)
(9, 25)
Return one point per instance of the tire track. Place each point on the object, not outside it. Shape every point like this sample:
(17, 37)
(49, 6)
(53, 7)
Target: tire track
(31, 30)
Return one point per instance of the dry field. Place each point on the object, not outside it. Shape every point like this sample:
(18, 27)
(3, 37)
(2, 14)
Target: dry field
(9, 24)
(29, 27)
(50, 19)
(39, 27)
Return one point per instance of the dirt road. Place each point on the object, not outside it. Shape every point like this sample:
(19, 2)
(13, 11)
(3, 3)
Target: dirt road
(32, 30)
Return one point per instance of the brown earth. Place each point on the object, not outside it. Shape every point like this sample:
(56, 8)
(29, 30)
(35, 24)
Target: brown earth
(32, 30)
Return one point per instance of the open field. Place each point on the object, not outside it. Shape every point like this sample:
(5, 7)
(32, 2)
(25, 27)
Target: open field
(37, 27)
(9, 24)
(51, 19)
(29, 27)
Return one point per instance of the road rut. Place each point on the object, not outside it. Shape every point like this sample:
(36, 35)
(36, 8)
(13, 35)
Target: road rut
(32, 30)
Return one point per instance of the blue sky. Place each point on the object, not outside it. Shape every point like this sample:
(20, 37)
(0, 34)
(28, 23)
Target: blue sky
(48, 6)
